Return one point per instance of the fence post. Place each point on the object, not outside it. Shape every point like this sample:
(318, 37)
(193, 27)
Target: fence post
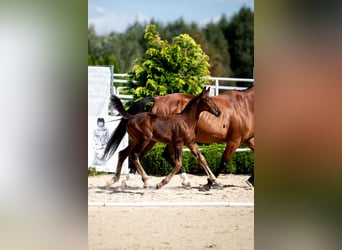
(216, 87)
(112, 90)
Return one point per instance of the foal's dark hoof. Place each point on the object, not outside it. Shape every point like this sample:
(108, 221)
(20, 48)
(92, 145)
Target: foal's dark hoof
(205, 188)
(217, 186)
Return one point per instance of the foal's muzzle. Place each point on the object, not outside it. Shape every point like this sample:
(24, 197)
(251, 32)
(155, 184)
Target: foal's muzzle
(217, 112)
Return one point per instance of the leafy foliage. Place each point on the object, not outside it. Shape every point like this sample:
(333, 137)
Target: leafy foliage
(240, 35)
(241, 162)
(168, 68)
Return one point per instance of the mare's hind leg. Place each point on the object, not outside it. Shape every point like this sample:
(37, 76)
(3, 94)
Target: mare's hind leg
(200, 158)
(250, 144)
(178, 150)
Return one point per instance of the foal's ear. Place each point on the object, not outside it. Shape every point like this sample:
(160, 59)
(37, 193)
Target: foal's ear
(205, 89)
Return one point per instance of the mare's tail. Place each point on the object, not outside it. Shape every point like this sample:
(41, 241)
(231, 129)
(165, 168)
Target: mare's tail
(120, 131)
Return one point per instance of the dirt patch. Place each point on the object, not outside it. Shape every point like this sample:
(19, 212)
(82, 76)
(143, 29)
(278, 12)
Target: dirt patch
(170, 227)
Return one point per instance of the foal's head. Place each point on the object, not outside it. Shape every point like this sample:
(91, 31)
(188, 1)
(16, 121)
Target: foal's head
(207, 104)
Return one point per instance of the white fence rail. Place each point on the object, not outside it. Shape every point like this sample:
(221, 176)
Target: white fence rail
(119, 91)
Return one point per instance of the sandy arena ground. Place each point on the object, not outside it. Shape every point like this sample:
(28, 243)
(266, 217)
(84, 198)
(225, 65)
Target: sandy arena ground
(205, 227)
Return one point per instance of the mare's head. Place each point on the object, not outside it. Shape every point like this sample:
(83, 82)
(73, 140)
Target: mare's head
(207, 104)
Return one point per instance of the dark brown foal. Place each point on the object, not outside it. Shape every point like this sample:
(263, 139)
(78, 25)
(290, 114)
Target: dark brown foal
(145, 129)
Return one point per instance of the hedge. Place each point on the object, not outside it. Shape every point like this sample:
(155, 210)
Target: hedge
(241, 162)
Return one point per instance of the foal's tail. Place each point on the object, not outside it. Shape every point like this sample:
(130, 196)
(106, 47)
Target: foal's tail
(120, 131)
(117, 104)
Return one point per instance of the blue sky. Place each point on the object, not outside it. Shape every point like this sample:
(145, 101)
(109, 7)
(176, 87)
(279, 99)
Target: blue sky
(117, 15)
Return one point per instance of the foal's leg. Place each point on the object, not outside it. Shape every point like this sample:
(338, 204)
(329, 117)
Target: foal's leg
(227, 154)
(144, 153)
(169, 155)
(123, 154)
(137, 152)
(137, 164)
(200, 158)
(178, 164)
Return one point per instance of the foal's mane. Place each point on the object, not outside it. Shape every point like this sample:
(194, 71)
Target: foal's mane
(192, 101)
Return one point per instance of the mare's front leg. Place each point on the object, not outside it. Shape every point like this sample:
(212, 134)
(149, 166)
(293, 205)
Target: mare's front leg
(178, 150)
(200, 158)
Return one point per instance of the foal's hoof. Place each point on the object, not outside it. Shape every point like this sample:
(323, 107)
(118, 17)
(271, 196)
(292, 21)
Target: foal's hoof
(217, 185)
(116, 179)
(123, 185)
(109, 183)
(186, 184)
(205, 188)
(159, 186)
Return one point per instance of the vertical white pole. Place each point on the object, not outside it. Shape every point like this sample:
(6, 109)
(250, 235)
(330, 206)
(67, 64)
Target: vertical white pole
(216, 87)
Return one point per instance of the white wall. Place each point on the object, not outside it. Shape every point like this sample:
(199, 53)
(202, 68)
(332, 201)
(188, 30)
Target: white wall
(99, 84)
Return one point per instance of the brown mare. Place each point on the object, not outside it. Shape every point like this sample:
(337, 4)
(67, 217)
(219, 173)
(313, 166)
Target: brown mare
(178, 130)
(234, 126)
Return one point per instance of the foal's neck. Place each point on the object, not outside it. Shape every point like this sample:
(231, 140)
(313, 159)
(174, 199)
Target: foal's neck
(192, 112)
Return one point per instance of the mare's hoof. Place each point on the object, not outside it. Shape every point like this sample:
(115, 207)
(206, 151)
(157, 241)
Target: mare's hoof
(250, 182)
(159, 185)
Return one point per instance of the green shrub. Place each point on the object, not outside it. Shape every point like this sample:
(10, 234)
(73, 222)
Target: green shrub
(241, 162)
(177, 67)
(93, 172)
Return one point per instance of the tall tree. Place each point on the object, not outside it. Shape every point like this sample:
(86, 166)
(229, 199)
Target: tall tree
(168, 68)
(217, 50)
(131, 46)
(240, 36)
